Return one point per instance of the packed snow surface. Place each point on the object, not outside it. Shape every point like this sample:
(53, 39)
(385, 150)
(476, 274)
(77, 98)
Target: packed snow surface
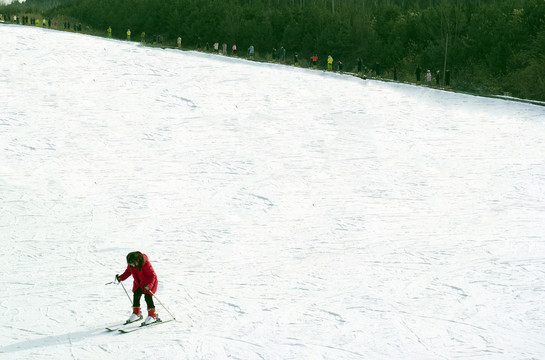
(289, 213)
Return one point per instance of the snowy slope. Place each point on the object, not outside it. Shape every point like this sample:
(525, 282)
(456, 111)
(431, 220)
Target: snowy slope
(289, 213)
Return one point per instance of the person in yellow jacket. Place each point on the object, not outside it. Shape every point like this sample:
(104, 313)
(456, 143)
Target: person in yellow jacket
(109, 31)
(129, 34)
(329, 63)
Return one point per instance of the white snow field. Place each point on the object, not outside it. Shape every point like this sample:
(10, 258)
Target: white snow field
(289, 213)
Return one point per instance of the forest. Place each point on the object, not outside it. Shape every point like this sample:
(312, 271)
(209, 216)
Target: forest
(488, 46)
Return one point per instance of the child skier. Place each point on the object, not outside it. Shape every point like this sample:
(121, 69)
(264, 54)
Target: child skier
(144, 282)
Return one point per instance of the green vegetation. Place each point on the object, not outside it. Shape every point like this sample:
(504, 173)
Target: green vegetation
(494, 46)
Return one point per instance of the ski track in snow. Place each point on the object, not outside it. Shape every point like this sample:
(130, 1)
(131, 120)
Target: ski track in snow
(289, 213)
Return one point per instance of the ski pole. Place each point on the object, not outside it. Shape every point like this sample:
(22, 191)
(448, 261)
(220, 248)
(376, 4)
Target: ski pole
(119, 282)
(155, 296)
(126, 292)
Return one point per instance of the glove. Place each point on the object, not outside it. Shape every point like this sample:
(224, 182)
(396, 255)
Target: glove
(117, 278)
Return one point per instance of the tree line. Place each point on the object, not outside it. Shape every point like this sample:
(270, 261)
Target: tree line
(489, 46)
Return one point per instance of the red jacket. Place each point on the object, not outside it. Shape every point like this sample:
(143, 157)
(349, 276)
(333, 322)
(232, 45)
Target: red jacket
(144, 276)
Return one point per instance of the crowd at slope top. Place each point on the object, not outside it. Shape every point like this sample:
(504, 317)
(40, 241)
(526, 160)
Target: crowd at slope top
(276, 55)
(280, 56)
(26, 20)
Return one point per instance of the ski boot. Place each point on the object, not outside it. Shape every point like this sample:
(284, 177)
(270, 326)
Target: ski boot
(135, 316)
(152, 317)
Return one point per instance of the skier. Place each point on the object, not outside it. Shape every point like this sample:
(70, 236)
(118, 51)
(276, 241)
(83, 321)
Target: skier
(329, 63)
(314, 61)
(417, 72)
(144, 282)
(251, 52)
(428, 77)
(340, 66)
(377, 69)
(360, 67)
(296, 59)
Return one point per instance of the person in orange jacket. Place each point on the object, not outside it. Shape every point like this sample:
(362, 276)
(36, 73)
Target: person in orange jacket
(144, 283)
(314, 61)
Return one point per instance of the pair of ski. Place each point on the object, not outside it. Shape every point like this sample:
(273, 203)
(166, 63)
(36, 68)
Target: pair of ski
(135, 325)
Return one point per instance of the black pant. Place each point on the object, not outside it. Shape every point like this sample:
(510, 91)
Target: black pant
(138, 294)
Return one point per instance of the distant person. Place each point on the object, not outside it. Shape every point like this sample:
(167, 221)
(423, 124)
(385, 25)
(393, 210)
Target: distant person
(447, 79)
(144, 283)
(417, 73)
(296, 59)
(437, 78)
(109, 31)
(216, 47)
(251, 52)
(340, 66)
(360, 67)
(234, 49)
(224, 49)
(274, 55)
(428, 77)
(314, 61)
(377, 69)
(329, 63)
(282, 55)
(179, 42)
(129, 34)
